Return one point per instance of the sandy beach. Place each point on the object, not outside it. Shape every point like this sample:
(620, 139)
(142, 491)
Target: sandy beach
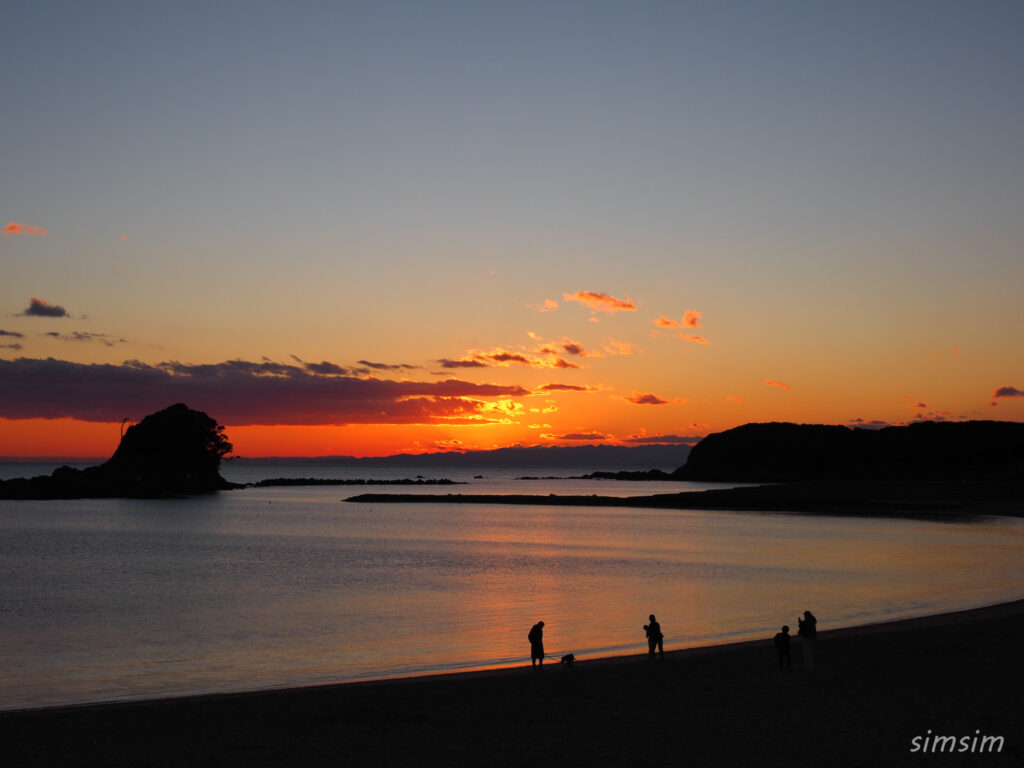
(873, 691)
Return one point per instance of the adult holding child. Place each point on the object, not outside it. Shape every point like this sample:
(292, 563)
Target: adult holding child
(808, 633)
(655, 639)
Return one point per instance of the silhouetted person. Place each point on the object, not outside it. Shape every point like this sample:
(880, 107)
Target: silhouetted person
(782, 647)
(536, 638)
(808, 633)
(654, 638)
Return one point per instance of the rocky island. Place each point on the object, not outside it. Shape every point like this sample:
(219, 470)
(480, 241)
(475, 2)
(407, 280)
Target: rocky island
(172, 452)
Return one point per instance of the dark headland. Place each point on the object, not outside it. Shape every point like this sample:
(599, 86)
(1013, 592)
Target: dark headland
(172, 452)
(940, 469)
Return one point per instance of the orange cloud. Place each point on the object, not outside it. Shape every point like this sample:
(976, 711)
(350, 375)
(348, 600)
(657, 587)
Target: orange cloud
(555, 348)
(773, 383)
(14, 228)
(547, 358)
(503, 357)
(692, 319)
(549, 305)
(446, 446)
(601, 302)
(614, 347)
(690, 338)
(733, 399)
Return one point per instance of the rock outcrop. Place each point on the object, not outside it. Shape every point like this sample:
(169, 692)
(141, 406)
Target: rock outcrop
(172, 452)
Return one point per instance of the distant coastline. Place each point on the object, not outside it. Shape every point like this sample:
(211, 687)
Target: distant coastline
(277, 482)
(917, 499)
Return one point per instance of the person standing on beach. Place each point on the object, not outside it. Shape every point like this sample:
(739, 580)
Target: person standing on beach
(654, 638)
(808, 632)
(536, 638)
(782, 647)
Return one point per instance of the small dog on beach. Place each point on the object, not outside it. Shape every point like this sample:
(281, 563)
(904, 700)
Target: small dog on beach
(568, 660)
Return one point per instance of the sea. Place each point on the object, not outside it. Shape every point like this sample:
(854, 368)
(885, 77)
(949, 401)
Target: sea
(261, 588)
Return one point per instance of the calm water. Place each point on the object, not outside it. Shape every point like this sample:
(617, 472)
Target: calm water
(118, 599)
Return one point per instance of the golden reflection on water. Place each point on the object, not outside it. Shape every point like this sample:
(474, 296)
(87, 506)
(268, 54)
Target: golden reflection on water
(235, 592)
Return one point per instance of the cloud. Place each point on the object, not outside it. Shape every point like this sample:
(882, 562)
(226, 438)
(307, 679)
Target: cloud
(664, 439)
(574, 348)
(15, 334)
(387, 367)
(447, 446)
(508, 357)
(645, 398)
(566, 345)
(613, 347)
(240, 392)
(503, 357)
(577, 436)
(14, 228)
(873, 424)
(326, 369)
(601, 302)
(733, 399)
(39, 308)
(690, 338)
(15, 346)
(691, 319)
(773, 383)
(102, 338)
(566, 388)
(446, 363)
(918, 405)
(1008, 392)
(549, 305)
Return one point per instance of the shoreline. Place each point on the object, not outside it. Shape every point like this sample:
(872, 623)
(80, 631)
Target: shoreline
(1011, 607)
(952, 672)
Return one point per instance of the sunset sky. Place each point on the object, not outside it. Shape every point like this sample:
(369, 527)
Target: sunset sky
(371, 228)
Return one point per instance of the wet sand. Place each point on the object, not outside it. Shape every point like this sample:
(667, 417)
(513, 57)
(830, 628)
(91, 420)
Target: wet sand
(873, 689)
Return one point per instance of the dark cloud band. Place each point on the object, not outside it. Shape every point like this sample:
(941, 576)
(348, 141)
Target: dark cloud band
(236, 393)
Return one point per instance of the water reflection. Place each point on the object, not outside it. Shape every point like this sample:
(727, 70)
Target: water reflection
(273, 587)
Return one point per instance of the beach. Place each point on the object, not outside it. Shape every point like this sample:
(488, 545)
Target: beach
(875, 693)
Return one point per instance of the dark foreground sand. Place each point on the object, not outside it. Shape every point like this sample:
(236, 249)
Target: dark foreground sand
(874, 689)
